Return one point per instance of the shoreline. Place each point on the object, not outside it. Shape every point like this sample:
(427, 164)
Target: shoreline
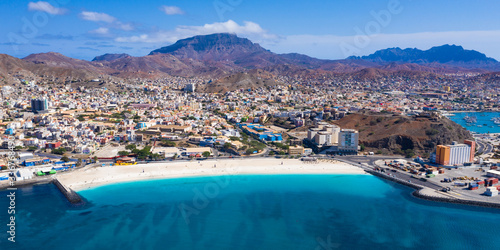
(94, 177)
(429, 194)
(88, 178)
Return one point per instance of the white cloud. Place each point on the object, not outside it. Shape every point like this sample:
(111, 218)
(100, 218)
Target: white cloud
(103, 17)
(100, 31)
(124, 26)
(249, 29)
(46, 7)
(172, 10)
(97, 17)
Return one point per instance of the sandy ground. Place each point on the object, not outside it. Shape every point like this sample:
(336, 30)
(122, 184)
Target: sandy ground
(91, 177)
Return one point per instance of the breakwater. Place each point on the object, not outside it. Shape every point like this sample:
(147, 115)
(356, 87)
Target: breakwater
(71, 195)
(418, 193)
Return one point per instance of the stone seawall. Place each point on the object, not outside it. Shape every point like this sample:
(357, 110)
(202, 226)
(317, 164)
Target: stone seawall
(421, 195)
(71, 195)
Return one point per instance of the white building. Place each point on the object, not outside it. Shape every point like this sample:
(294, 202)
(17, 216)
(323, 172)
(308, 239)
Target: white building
(348, 140)
(459, 153)
(24, 174)
(324, 134)
(493, 173)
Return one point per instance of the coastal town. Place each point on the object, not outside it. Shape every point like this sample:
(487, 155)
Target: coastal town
(249, 124)
(57, 126)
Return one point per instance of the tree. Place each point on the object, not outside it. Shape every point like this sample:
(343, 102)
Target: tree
(409, 153)
(271, 153)
(131, 147)
(227, 146)
(59, 151)
(251, 151)
(362, 147)
(122, 153)
(168, 143)
(65, 159)
(79, 162)
(206, 154)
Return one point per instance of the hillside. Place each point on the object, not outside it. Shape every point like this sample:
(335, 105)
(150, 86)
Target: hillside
(396, 134)
(218, 56)
(445, 55)
(251, 80)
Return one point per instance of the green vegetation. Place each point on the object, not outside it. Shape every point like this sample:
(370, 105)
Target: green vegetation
(281, 145)
(409, 153)
(431, 132)
(65, 159)
(59, 151)
(167, 143)
(143, 153)
(131, 147)
(206, 154)
(123, 153)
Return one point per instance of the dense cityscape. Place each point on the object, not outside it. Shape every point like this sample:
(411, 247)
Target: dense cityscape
(225, 134)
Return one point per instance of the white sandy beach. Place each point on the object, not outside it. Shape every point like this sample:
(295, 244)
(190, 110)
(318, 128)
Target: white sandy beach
(91, 177)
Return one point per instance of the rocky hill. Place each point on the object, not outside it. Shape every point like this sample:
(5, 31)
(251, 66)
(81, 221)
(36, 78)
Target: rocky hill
(221, 56)
(449, 55)
(110, 57)
(400, 134)
(222, 47)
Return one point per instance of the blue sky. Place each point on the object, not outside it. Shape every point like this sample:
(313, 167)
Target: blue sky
(325, 29)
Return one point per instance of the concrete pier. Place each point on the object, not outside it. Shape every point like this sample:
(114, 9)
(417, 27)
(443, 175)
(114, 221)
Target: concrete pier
(71, 195)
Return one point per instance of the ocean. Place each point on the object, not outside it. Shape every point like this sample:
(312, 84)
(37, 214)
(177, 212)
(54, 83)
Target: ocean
(483, 125)
(247, 212)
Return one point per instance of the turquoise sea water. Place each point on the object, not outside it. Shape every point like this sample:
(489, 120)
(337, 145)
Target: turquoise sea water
(247, 212)
(482, 126)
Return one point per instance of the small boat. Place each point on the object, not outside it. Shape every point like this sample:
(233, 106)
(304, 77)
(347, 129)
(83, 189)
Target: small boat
(470, 119)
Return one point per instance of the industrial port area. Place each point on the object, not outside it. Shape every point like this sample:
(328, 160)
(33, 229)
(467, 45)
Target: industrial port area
(477, 182)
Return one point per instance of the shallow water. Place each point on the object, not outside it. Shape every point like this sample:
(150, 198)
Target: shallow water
(248, 212)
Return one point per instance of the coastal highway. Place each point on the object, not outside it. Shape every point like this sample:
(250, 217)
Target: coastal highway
(484, 147)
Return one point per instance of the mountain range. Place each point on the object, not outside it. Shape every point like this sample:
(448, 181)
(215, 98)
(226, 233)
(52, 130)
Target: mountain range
(219, 56)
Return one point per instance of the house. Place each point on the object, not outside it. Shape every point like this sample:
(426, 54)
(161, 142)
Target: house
(53, 145)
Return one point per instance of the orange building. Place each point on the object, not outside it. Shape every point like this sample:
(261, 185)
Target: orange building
(443, 155)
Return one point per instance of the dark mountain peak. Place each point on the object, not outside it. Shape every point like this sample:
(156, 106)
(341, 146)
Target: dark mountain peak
(451, 54)
(216, 47)
(204, 42)
(46, 55)
(110, 57)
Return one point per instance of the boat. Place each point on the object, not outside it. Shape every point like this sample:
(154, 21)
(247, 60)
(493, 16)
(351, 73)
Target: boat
(496, 120)
(470, 119)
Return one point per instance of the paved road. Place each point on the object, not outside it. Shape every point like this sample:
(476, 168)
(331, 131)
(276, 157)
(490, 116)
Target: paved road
(370, 160)
(483, 147)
